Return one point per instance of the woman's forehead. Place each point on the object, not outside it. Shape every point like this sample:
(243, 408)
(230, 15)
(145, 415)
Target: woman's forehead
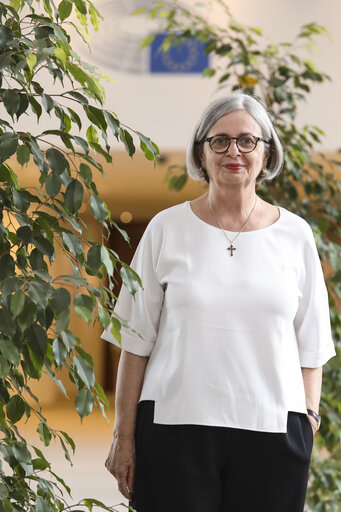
(235, 123)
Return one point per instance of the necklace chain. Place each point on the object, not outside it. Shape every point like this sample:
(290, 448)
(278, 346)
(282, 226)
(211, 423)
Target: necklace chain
(231, 248)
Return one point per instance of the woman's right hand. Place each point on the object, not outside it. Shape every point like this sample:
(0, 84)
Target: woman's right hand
(121, 463)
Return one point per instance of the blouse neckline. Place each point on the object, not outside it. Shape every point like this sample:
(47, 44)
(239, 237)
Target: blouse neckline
(266, 228)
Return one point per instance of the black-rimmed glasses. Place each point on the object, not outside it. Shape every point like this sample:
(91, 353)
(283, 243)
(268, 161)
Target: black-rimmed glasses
(221, 143)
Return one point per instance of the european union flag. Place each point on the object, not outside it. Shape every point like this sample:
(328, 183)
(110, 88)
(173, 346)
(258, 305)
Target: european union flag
(188, 57)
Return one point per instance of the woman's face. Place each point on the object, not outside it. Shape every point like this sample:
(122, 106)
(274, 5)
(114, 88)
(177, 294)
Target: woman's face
(234, 167)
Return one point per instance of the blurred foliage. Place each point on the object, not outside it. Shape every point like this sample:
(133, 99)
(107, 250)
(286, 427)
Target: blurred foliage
(281, 75)
(37, 60)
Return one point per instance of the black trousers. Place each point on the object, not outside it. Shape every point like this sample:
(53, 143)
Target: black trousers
(195, 468)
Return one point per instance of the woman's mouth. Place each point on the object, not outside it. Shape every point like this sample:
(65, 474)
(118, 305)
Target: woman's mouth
(233, 167)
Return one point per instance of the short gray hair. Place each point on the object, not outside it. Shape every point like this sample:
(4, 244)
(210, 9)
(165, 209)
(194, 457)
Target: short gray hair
(218, 109)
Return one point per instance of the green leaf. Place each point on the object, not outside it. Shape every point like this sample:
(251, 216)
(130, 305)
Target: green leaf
(41, 504)
(37, 339)
(23, 105)
(94, 257)
(20, 200)
(98, 208)
(92, 135)
(127, 140)
(84, 371)
(47, 102)
(31, 60)
(69, 340)
(7, 266)
(40, 464)
(60, 300)
(95, 115)
(59, 351)
(62, 321)
(23, 456)
(15, 408)
(7, 323)
(73, 243)
(10, 351)
(116, 329)
(11, 100)
(105, 257)
(5, 59)
(64, 8)
(3, 492)
(104, 317)
(121, 231)
(36, 107)
(82, 143)
(56, 160)
(31, 363)
(84, 307)
(113, 122)
(23, 154)
(17, 302)
(40, 293)
(75, 118)
(53, 184)
(129, 278)
(4, 368)
(8, 145)
(79, 97)
(6, 36)
(84, 402)
(28, 314)
(101, 394)
(74, 196)
(61, 55)
(94, 17)
(148, 147)
(86, 173)
(81, 6)
(69, 440)
(147, 41)
(44, 433)
(43, 246)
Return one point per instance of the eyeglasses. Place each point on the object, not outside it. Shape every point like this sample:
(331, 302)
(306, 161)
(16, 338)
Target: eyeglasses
(245, 143)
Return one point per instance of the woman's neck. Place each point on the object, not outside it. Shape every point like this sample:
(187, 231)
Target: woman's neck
(231, 204)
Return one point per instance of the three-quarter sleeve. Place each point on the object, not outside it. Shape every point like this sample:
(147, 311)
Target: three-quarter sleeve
(312, 320)
(142, 310)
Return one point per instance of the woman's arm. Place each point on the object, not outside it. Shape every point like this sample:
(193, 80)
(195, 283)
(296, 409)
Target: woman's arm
(121, 458)
(312, 378)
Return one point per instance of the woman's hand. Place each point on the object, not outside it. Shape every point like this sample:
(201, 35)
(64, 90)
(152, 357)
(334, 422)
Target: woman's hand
(121, 463)
(313, 423)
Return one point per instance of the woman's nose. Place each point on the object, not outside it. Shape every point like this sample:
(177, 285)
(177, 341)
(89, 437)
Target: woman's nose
(233, 149)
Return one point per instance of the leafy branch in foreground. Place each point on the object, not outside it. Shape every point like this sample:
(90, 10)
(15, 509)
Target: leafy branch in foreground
(40, 76)
(281, 76)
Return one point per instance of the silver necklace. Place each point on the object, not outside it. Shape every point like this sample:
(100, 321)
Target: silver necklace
(231, 248)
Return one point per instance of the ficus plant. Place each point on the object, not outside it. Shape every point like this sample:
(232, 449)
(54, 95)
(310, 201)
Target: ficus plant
(281, 76)
(40, 76)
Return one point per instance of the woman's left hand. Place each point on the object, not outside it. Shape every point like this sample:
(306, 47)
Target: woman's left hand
(313, 423)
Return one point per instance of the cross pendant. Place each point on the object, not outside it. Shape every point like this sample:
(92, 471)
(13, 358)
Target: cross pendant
(231, 249)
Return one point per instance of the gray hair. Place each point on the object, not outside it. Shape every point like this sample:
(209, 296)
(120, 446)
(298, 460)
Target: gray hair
(218, 109)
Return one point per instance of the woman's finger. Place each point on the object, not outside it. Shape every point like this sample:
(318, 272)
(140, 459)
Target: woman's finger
(122, 473)
(130, 478)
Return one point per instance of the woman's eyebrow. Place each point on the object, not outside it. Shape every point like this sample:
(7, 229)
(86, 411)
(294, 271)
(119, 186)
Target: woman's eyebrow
(227, 135)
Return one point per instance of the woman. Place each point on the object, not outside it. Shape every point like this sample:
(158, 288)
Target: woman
(218, 395)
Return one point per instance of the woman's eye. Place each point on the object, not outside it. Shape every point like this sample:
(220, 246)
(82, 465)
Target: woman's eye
(247, 140)
(220, 140)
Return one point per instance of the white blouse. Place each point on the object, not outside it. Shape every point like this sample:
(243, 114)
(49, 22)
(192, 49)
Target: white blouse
(227, 336)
